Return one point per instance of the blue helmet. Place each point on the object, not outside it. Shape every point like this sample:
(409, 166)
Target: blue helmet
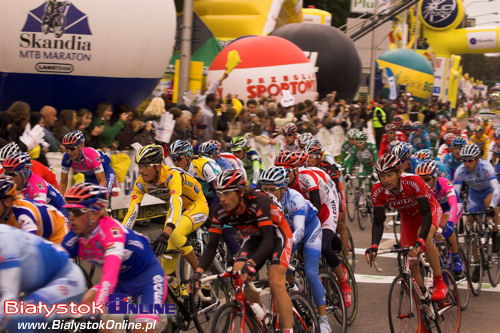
(459, 141)
(208, 148)
(181, 147)
(402, 151)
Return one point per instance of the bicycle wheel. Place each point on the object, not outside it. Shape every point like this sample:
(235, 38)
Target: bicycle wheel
(352, 310)
(349, 200)
(464, 289)
(304, 315)
(361, 208)
(352, 258)
(474, 268)
(449, 309)
(230, 318)
(493, 262)
(403, 307)
(396, 227)
(335, 305)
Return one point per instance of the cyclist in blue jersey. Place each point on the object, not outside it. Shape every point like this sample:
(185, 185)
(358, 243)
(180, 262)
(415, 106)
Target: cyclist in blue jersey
(39, 269)
(404, 152)
(209, 149)
(419, 138)
(494, 152)
(442, 169)
(452, 159)
(302, 218)
(483, 187)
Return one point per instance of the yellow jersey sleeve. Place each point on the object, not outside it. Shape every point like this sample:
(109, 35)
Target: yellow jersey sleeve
(135, 202)
(174, 185)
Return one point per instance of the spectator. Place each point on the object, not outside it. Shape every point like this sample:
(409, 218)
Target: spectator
(182, 128)
(20, 113)
(379, 121)
(135, 130)
(65, 124)
(49, 118)
(102, 118)
(155, 109)
(208, 103)
(84, 119)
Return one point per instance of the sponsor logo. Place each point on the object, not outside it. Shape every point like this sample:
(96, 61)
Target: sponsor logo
(122, 304)
(481, 39)
(116, 232)
(439, 13)
(49, 67)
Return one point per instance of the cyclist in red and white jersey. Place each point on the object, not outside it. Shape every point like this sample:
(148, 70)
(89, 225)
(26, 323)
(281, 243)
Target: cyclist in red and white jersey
(290, 132)
(420, 216)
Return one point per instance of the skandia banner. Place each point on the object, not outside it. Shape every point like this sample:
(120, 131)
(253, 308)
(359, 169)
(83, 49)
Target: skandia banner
(269, 65)
(91, 46)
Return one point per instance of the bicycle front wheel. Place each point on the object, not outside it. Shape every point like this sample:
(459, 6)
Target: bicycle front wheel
(362, 208)
(463, 284)
(304, 316)
(494, 262)
(473, 267)
(403, 307)
(449, 308)
(349, 201)
(335, 305)
(230, 318)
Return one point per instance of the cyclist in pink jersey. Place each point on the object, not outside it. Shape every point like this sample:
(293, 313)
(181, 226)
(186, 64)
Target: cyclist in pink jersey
(452, 206)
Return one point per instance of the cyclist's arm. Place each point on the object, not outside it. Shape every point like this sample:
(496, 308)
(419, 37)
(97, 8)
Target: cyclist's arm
(349, 162)
(315, 199)
(135, 203)
(175, 204)
(496, 191)
(210, 250)
(101, 178)
(453, 202)
(265, 249)
(378, 224)
(64, 182)
(299, 206)
(425, 212)
(256, 169)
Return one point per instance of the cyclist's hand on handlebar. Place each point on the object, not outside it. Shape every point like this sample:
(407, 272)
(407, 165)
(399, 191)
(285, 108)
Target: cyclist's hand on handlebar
(160, 244)
(194, 282)
(490, 211)
(248, 272)
(419, 247)
(371, 253)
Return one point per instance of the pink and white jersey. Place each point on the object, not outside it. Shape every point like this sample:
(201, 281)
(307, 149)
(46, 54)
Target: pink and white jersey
(235, 162)
(35, 189)
(89, 165)
(446, 195)
(443, 150)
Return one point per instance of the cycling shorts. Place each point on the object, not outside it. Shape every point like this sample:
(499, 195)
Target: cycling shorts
(109, 174)
(281, 251)
(191, 219)
(475, 202)
(149, 287)
(410, 226)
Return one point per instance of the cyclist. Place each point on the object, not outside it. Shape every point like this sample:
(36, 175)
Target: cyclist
(30, 216)
(442, 169)
(363, 153)
(318, 188)
(483, 187)
(234, 161)
(481, 140)
(267, 237)
(390, 135)
(445, 147)
(420, 217)
(129, 265)
(304, 139)
(290, 132)
(407, 128)
(452, 159)
(347, 146)
(419, 138)
(434, 134)
(450, 202)
(404, 153)
(187, 209)
(210, 149)
(250, 158)
(95, 166)
(39, 269)
(494, 152)
(301, 216)
(468, 132)
(37, 167)
(31, 185)
(205, 170)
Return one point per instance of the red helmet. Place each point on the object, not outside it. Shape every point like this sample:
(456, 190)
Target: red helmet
(303, 158)
(314, 147)
(17, 162)
(386, 163)
(287, 159)
(73, 138)
(231, 179)
(87, 195)
(448, 138)
(289, 129)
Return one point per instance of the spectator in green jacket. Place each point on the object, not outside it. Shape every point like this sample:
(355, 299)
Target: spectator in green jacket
(102, 118)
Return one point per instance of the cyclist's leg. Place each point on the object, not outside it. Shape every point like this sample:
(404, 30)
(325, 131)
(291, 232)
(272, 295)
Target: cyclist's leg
(230, 240)
(341, 225)
(476, 204)
(409, 232)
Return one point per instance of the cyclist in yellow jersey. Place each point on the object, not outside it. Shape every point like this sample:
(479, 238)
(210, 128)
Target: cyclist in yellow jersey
(30, 216)
(187, 211)
(481, 140)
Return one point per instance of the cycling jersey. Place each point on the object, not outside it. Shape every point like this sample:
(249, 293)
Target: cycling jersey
(434, 136)
(442, 169)
(39, 269)
(124, 254)
(175, 186)
(413, 164)
(494, 156)
(38, 190)
(450, 202)
(37, 218)
(91, 162)
(452, 162)
(443, 150)
(252, 163)
(385, 142)
(293, 147)
(483, 142)
(205, 170)
(345, 150)
(43, 171)
(234, 161)
(223, 163)
(366, 157)
(421, 141)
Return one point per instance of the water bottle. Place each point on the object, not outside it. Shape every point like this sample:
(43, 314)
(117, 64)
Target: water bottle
(174, 285)
(260, 312)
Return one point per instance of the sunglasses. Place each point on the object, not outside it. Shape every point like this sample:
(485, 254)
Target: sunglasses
(176, 158)
(76, 212)
(71, 148)
(290, 134)
(221, 192)
(427, 179)
(468, 160)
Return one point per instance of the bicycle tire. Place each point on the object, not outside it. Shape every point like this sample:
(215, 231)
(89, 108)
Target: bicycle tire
(361, 193)
(465, 291)
(396, 227)
(234, 314)
(452, 318)
(352, 257)
(413, 303)
(493, 261)
(475, 287)
(351, 311)
(304, 316)
(335, 305)
(350, 197)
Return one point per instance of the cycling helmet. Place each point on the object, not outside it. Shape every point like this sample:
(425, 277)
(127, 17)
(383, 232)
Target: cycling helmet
(74, 138)
(418, 125)
(314, 147)
(150, 154)
(7, 187)
(397, 120)
(386, 163)
(230, 180)
(402, 151)
(238, 143)
(352, 133)
(469, 127)
(361, 136)
(86, 195)
(303, 158)
(433, 123)
(217, 143)
(287, 159)
(497, 133)
(426, 168)
(8, 150)
(208, 148)
(450, 125)
(277, 176)
(479, 128)
(424, 154)
(470, 150)
(17, 162)
(459, 141)
(290, 128)
(304, 139)
(181, 147)
(407, 125)
(390, 127)
(394, 143)
(448, 138)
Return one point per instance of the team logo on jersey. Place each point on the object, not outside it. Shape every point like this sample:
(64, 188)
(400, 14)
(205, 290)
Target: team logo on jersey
(140, 187)
(40, 186)
(116, 232)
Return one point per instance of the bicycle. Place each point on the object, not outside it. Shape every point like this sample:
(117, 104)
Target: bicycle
(479, 255)
(362, 200)
(238, 315)
(410, 307)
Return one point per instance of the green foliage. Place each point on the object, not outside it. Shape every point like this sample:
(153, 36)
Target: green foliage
(481, 67)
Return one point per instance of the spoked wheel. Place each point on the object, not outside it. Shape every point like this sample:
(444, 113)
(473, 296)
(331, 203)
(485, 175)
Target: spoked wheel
(362, 208)
(230, 318)
(352, 257)
(403, 307)
(396, 227)
(449, 309)
(335, 305)
(493, 264)
(473, 267)
(349, 201)
(304, 315)
(464, 289)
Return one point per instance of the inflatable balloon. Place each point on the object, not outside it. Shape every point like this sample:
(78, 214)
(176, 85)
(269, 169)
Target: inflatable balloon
(269, 64)
(79, 53)
(411, 69)
(339, 66)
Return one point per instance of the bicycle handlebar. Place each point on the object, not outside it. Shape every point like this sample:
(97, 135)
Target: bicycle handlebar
(404, 250)
(473, 213)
